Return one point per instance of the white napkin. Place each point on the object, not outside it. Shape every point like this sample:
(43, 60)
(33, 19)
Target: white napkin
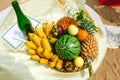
(113, 36)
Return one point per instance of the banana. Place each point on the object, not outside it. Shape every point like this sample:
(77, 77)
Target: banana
(52, 64)
(54, 58)
(44, 26)
(43, 61)
(31, 51)
(37, 40)
(35, 57)
(47, 28)
(31, 45)
(46, 44)
(52, 39)
(39, 32)
(30, 35)
(39, 51)
(53, 61)
(47, 54)
(59, 64)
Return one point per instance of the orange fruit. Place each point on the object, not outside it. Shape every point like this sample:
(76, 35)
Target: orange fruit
(82, 35)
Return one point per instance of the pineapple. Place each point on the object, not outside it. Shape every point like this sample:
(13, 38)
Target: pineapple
(89, 47)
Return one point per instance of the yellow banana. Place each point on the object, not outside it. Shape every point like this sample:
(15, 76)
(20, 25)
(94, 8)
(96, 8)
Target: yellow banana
(35, 57)
(47, 54)
(54, 58)
(30, 45)
(52, 64)
(30, 35)
(39, 32)
(52, 39)
(46, 44)
(31, 51)
(47, 28)
(37, 40)
(44, 26)
(39, 51)
(43, 61)
(59, 64)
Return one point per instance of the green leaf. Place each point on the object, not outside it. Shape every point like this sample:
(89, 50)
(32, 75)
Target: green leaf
(80, 16)
(89, 26)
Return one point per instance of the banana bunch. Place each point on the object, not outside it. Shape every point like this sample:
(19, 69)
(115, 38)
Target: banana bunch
(40, 49)
(48, 29)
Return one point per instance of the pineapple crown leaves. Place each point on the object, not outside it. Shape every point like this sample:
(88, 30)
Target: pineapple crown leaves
(88, 25)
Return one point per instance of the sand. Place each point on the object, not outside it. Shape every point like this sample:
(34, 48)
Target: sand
(110, 15)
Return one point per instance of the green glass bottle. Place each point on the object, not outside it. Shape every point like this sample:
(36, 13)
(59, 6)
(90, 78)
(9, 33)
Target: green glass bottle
(24, 23)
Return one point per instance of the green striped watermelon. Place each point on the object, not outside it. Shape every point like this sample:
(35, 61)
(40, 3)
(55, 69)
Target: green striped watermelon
(67, 47)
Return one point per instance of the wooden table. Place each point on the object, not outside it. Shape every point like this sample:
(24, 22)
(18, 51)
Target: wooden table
(110, 68)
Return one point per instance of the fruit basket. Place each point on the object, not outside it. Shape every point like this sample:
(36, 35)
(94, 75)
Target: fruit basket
(67, 45)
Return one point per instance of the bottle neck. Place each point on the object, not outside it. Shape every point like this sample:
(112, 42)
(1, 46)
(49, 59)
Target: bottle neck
(17, 9)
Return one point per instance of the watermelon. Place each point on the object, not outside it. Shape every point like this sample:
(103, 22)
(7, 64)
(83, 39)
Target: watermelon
(67, 47)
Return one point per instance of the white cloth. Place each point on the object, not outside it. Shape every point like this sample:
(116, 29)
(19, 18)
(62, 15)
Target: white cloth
(113, 36)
